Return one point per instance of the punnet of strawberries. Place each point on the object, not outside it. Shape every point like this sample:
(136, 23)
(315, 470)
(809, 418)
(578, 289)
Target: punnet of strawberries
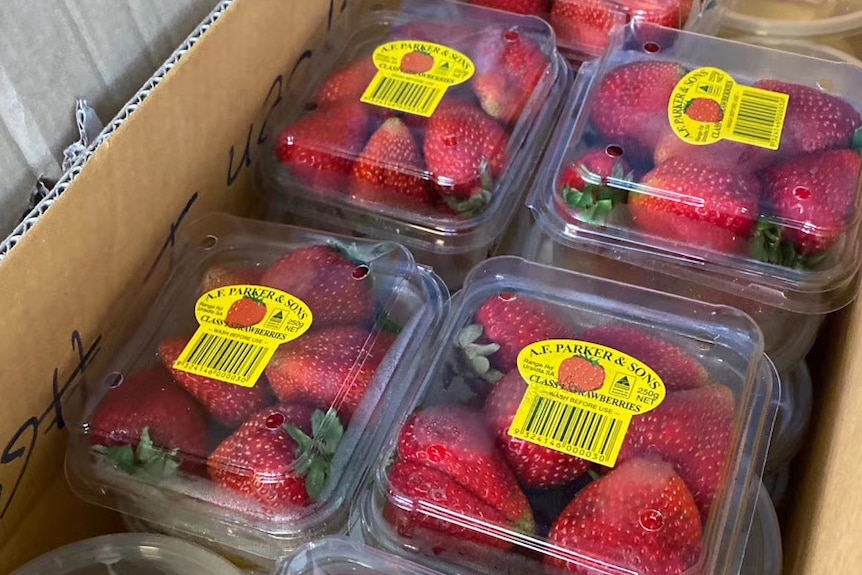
(453, 164)
(264, 452)
(627, 175)
(456, 483)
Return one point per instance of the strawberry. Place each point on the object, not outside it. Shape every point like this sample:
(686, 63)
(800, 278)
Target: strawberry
(535, 466)
(640, 518)
(149, 422)
(453, 440)
(347, 83)
(659, 12)
(704, 110)
(390, 169)
(589, 191)
(528, 7)
(696, 204)
(280, 457)
(465, 151)
(690, 430)
(319, 148)
(506, 324)
(724, 155)
(223, 275)
(676, 368)
(227, 403)
(814, 196)
(330, 367)
(815, 120)
(509, 66)
(419, 486)
(585, 24)
(685, 7)
(580, 374)
(245, 312)
(631, 105)
(332, 279)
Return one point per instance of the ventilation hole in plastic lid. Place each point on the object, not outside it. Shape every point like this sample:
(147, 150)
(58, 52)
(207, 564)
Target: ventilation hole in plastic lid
(507, 296)
(651, 47)
(275, 420)
(511, 35)
(801, 193)
(825, 84)
(614, 151)
(209, 242)
(114, 380)
(310, 106)
(451, 140)
(651, 520)
(360, 272)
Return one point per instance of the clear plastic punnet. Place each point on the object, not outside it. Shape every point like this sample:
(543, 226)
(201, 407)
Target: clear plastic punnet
(424, 126)
(571, 423)
(343, 556)
(132, 554)
(244, 407)
(794, 415)
(764, 554)
(695, 153)
(803, 46)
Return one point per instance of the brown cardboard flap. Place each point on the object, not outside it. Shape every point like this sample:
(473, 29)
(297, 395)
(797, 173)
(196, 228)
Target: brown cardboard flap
(108, 240)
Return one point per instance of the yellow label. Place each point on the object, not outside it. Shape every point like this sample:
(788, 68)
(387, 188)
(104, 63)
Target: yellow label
(707, 106)
(581, 397)
(241, 327)
(413, 76)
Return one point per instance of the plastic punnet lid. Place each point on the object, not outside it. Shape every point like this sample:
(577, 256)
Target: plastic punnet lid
(129, 554)
(801, 46)
(686, 149)
(764, 554)
(611, 427)
(796, 17)
(424, 119)
(343, 556)
(242, 409)
(791, 422)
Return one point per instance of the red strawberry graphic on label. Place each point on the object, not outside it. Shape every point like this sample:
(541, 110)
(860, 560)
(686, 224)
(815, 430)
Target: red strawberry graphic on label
(704, 110)
(417, 62)
(579, 374)
(245, 312)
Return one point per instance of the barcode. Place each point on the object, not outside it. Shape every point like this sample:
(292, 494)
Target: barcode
(224, 358)
(571, 429)
(404, 95)
(760, 117)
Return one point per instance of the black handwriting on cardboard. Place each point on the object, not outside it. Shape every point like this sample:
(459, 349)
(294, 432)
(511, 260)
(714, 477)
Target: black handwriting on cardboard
(332, 12)
(273, 98)
(25, 440)
(172, 234)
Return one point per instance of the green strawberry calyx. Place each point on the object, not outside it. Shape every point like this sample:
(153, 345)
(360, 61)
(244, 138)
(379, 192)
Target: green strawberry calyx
(361, 255)
(472, 357)
(856, 143)
(386, 324)
(596, 201)
(770, 246)
(314, 454)
(479, 198)
(147, 459)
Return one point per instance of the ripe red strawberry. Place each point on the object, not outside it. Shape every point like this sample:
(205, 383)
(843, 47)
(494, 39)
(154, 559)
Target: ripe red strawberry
(640, 518)
(509, 66)
(245, 312)
(419, 486)
(280, 457)
(529, 7)
(685, 7)
(676, 368)
(630, 107)
(329, 367)
(815, 120)
(347, 83)
(660, 12)
(690, 430)
(593, 199)
(227, 403)
(453, 440)
(390, 170)
(580, 374)
(465, 151)
(696, 204)
(149, 401)
(319, 148)
(814, 196)
(725, 155)
(332, 280)
(536, 467)
(586, 24)
(506, 324)
(219, 276)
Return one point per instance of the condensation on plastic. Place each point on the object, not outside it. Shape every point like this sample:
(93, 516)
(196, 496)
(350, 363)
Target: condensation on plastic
(733, 356)
(190, 502)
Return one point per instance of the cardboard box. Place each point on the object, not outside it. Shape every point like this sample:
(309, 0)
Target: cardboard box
(82, 271)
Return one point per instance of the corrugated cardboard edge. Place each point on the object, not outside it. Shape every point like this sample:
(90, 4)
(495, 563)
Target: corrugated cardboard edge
(32, 219)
